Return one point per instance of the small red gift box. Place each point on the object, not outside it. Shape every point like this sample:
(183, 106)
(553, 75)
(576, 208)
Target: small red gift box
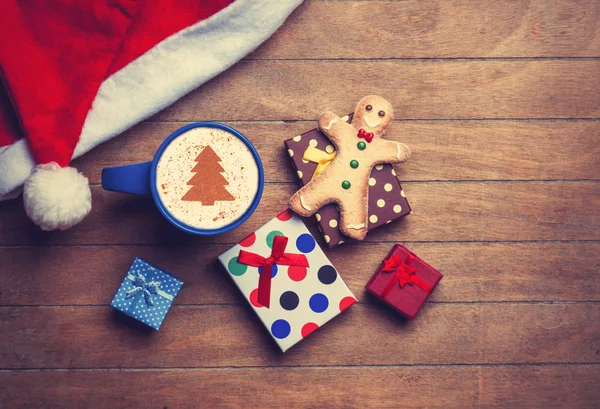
(404, 281)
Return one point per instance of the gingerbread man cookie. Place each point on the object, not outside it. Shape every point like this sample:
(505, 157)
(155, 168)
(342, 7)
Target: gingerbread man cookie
(359, 147)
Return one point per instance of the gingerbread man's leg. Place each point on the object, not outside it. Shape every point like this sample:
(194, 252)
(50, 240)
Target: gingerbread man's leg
(353, 218)
(309, 199)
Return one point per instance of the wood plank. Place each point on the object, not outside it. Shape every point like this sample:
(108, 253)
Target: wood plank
(433, 89)
(445, 388)
(437, 29)
(470, 211)
(473, 272)
(487, 150)
(100, 337)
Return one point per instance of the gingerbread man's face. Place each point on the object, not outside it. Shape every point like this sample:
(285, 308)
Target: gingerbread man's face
(373, 114)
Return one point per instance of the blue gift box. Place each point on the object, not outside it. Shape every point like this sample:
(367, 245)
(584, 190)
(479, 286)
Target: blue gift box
(147, 293)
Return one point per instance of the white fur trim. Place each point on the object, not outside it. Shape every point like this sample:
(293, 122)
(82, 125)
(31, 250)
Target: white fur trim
(161, 76)
(56, 198)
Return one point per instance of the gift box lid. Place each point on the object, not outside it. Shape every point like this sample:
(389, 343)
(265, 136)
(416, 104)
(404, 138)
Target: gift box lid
(302, 298)
(146, 293)
(407, 293)
(387, 201)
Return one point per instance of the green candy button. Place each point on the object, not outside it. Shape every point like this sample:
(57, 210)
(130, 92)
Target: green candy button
(353, 164)
(362, 146)
(346, 184)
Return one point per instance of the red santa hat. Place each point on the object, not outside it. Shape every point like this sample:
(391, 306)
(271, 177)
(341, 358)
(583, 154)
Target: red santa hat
(77, 73)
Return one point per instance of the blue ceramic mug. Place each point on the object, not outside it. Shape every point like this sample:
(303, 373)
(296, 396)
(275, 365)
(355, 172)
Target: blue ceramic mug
(206, 178)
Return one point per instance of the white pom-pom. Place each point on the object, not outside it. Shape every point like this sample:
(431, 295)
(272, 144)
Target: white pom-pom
(57, 198)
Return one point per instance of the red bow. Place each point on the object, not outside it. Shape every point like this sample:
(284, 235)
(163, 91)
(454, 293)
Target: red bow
(277, 257)
(403, 274)
(367, 136)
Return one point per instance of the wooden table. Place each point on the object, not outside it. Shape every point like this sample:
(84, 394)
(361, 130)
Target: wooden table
(500, 102)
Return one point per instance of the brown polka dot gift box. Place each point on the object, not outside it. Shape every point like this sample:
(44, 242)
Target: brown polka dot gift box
(312, 152)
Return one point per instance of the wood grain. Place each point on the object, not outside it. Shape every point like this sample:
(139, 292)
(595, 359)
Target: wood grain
(474, 272)
(232, 336)
(473, 211)
(437, 29)
(500, 102)
(548, 387)
(274, 90)
(482, 150)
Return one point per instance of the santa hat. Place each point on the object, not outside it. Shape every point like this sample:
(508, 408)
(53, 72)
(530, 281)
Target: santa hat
(77, 73)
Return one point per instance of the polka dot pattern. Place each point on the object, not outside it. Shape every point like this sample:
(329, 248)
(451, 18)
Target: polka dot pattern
(285, 215)
(274, 270)
(308, 329)
(248, 241)
(235, 268)
(289, 300)
(346, 302)
(327, 274)
(333, 223)
(329, 149)
(313, 143)
(387, 187)
(373, 218)
(281, 329)
(397, 208)
(380, 203)
(302, 298)
(306, 243)
(297, 273)
(318, 303)
(271, 237)
(372, 181)
(136, 306)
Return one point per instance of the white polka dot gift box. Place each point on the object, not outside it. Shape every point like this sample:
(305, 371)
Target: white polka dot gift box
(147, 293)
(312, 152)
(303, 290)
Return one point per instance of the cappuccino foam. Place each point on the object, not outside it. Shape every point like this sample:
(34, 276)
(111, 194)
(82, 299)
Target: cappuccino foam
(236, 184)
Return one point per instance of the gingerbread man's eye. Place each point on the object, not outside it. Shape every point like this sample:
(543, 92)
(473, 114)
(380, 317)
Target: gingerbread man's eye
(381, 113)
(369, 107)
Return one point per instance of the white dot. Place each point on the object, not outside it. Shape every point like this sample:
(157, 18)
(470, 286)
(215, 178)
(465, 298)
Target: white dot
(291, 153)
(329, 148)
(380, 203)
(313, 142)
(397, 209)
(402, 193)
(372, 181)
(300, 174)
(341, 242)
(388, 222)
(379, 167)
(332, 223)
(327, 238)
(388, 187)
(297, 138)
(318, 217)
(373, 218)
(393, 172)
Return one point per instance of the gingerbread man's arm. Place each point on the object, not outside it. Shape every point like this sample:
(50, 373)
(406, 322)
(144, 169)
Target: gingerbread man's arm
(391, 152)
(332, 125)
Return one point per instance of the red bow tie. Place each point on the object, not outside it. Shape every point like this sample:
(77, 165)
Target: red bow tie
(403, 274)
(366, 136)
(277, 257)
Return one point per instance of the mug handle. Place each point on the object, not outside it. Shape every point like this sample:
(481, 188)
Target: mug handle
(134, 179)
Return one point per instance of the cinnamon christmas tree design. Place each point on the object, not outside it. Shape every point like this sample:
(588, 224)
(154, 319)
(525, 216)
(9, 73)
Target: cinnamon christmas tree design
(208, 185)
